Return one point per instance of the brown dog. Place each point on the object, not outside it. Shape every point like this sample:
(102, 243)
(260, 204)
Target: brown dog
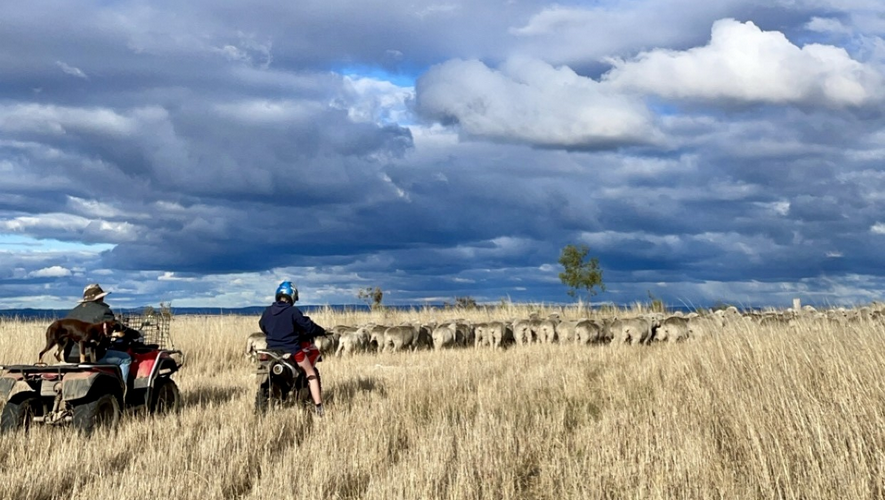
(63, 331)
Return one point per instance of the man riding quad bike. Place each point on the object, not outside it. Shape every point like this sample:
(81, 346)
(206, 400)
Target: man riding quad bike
(89, 395)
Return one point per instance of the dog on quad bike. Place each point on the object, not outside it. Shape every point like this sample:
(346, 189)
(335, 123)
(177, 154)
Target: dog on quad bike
(63, 331)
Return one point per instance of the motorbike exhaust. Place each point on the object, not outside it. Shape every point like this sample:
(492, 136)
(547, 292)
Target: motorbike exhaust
(283, 369)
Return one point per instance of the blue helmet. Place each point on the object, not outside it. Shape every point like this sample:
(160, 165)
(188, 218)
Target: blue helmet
(286, 289)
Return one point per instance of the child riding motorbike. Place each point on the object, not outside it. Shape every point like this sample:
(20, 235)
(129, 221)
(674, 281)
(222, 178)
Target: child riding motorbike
(287, 329)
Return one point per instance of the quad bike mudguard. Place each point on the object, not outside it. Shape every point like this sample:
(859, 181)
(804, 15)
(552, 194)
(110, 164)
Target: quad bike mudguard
(78, 385)
(12, 384)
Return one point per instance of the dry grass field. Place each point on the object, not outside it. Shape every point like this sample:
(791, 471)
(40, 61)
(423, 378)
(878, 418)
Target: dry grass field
(752, 412)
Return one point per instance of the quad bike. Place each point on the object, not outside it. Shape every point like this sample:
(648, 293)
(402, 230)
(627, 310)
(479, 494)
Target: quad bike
(91, 395)
(280, 381)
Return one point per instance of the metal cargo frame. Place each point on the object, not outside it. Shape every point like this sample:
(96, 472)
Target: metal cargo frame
(154, 327)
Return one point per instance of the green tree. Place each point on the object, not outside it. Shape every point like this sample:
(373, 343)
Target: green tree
(371, 296)
(579, 272)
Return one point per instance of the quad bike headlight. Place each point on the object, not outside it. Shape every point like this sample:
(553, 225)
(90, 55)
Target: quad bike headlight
(278, 369)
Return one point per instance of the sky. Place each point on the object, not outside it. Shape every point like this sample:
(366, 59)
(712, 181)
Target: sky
(198, 153)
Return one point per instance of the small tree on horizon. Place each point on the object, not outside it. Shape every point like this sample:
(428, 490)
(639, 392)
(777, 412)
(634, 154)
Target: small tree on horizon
(579, 272)
(166, 310)
(371, 296)
(466, 302)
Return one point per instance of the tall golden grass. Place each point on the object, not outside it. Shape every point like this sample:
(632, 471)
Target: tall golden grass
(752, 412)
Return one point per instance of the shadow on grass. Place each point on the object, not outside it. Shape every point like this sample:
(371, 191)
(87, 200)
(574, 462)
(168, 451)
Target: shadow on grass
(204, 396)
(345, 392)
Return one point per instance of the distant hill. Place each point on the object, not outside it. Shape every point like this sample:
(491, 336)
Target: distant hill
(49, 314)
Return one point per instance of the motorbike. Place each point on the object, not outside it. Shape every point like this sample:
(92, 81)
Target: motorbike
(281, 381)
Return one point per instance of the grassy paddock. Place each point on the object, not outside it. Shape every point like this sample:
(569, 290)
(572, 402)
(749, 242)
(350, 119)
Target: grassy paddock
(754, 412)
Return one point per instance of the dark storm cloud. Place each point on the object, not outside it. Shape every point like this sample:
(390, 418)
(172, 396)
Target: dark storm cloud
(205, 145)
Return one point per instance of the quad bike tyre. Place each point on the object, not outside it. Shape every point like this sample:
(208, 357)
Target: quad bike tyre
(165, 398)
(17, 413)
(101, 412)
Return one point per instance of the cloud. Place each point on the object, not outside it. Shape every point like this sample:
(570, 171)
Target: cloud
(579, 35)
(247, 50)
(828, 25)
(529, 101)
(376, 101)
(50, 272)
(68, 226)
(70, 70)
(746, 64)
(59, 120)
(219, 151)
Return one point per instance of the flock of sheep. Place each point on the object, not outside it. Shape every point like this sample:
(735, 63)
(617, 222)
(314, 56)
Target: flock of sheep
(640, 329)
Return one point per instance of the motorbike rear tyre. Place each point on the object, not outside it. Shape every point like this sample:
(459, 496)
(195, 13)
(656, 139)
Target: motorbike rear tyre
(263, 399)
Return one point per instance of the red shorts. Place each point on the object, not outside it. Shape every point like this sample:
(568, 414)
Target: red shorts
(308, 351)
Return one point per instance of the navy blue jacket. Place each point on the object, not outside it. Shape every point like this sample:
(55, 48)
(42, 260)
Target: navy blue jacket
(285, 327)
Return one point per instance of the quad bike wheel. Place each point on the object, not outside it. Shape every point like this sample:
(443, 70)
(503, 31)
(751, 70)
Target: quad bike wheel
(165, 398)
(19, 413)
(101, 412)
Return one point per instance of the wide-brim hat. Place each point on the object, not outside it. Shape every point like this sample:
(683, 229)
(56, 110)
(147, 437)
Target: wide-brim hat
(93, 292)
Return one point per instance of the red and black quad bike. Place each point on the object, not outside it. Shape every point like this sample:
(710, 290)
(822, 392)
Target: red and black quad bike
(281, 381)
(91, 395)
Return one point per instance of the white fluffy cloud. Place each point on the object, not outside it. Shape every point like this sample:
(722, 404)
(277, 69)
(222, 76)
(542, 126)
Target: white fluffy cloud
(378, 101)
(70, 226)
(528, 100)
(71, 70)
(61, 120)
(575, 34)
(745, 64)
(50, 272)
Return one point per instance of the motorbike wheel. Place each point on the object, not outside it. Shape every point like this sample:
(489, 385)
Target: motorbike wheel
(264, 400)
(101, 412)
(18, 413)
(165, 398)
(261, 400)
(271, 395)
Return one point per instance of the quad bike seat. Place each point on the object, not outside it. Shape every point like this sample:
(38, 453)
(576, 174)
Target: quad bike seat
(72, 353)
(144, 348)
